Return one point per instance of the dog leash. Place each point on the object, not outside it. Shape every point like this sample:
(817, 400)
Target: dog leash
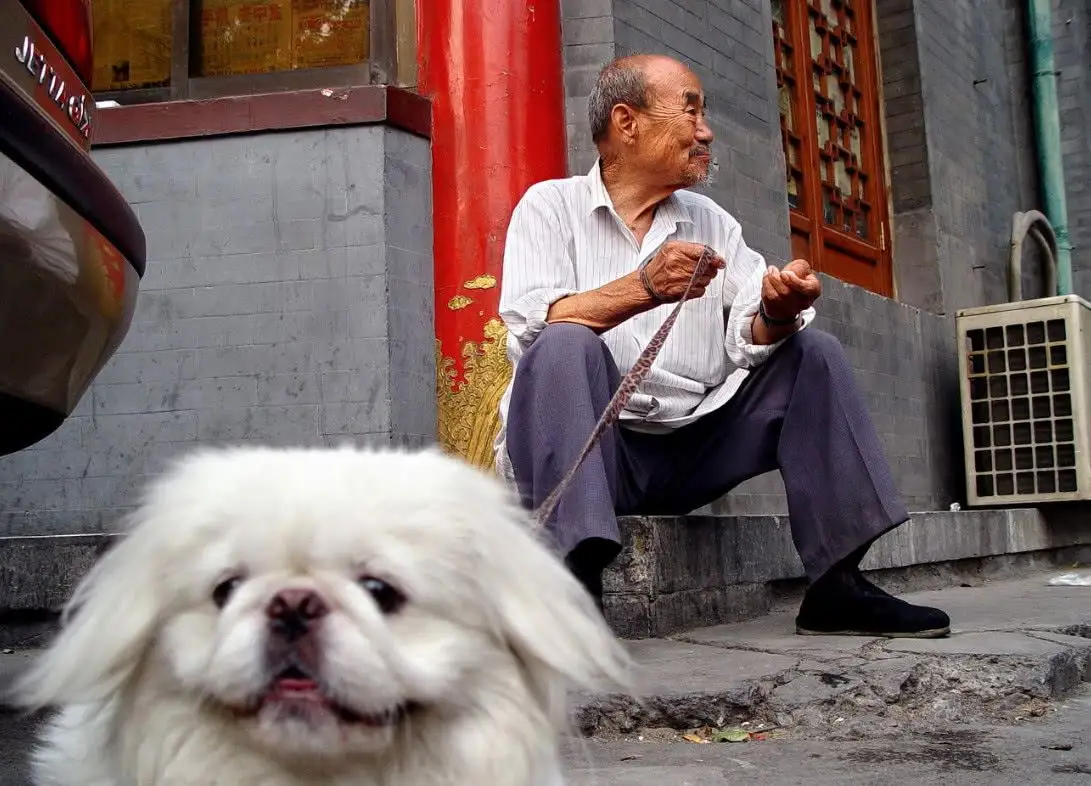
(629, 383)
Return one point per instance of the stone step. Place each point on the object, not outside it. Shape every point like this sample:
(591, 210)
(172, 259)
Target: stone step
(674, 573)
(680, 573)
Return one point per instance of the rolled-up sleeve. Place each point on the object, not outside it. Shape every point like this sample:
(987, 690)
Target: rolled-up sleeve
(538, 269)
(742, 294)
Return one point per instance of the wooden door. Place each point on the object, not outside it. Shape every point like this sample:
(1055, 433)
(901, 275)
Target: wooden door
(829, 115)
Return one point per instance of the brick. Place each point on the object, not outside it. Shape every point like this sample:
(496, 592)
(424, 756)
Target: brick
(588, 31)
(290, 425)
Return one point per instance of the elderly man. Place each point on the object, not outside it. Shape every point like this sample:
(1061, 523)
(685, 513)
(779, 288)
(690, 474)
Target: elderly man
(741, 387)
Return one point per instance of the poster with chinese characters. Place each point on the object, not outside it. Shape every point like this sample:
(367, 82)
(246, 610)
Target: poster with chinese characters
(132, 44)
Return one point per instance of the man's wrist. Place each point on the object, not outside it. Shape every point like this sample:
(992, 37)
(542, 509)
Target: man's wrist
(649, 289)
(775, 322)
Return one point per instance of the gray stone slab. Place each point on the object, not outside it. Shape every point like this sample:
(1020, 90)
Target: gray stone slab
(979, 644)
(776, 633)
(39, 573)
(13, 664)
(651, 775)
(1010, 646)
(667, 668)
(1026, 604)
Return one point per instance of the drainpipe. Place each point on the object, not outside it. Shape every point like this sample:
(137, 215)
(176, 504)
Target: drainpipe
(1047, 127)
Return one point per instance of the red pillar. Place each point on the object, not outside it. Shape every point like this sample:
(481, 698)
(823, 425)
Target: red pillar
(494, 72)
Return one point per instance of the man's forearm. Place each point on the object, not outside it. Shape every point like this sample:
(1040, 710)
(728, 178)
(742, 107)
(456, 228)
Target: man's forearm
(766, 334)
(606, 307)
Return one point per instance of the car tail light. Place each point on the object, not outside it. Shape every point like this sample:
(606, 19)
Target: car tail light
(68, 24)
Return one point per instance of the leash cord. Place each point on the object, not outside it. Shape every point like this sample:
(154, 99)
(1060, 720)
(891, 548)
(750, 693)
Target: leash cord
(629, 383)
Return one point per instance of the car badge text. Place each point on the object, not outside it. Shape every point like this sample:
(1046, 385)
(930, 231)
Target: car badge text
(74, 106)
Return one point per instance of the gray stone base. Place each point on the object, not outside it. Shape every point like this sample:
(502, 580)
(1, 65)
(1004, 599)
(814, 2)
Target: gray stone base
(673, 575)
(686, 572)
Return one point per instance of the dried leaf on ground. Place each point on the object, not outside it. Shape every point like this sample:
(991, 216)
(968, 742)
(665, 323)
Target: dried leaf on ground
(733, 734)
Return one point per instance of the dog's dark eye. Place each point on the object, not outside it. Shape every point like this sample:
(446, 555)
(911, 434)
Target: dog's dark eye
(388, 599)
(224, 590)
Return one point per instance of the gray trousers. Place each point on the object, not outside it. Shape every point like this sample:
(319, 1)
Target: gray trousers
(800, 412)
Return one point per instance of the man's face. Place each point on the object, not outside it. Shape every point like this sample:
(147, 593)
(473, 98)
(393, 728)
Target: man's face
(674, 139)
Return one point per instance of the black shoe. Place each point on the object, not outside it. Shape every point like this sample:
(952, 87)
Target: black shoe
(857, 607)
(587, 563)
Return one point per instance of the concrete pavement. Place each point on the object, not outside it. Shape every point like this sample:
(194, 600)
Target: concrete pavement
(1052, 751)
(1015, 647)
(977, 707)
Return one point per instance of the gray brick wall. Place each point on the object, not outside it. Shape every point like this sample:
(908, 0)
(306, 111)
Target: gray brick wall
(1072, 50)
(288, 300)
(904, 356)
(960, 147)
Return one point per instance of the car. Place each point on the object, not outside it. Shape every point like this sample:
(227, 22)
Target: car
(72, 251)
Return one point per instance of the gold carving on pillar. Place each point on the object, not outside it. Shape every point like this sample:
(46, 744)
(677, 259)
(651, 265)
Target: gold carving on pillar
(484, 281)
(469, 414)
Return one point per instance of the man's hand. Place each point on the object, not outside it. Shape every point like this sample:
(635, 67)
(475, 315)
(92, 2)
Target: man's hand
(670, 271)
(785, 293)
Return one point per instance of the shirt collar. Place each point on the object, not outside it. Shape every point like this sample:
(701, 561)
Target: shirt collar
(670, 210)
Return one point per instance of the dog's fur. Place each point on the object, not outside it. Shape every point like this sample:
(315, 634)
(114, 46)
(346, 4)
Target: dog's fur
(464, 683)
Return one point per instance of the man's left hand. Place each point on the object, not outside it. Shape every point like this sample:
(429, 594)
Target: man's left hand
(785, 293)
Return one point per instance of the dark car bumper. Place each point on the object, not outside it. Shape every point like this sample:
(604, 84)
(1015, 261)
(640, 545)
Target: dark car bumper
(71, 252)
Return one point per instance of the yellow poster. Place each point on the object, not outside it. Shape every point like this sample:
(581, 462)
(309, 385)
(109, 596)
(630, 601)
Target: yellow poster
(245, 36)
(132, 44)
(329, 32)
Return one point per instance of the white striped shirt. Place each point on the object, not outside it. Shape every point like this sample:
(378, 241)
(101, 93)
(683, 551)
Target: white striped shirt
(565, 237)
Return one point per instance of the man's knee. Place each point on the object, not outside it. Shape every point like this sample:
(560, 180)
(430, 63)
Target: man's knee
(562, 344)
(812, 341)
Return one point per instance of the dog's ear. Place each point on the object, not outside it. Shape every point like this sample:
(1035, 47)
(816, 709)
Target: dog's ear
(550, 621)
(106, 628)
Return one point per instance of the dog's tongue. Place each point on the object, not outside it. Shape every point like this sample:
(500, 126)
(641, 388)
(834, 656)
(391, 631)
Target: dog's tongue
(296, 685)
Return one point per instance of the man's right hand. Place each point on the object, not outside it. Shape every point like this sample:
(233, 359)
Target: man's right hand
(670, 271)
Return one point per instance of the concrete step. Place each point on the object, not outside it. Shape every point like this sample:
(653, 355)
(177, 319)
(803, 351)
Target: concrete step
(686, 572)
(674, 573)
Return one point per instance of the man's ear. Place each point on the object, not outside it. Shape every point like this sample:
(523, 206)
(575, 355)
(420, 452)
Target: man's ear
(623, 119)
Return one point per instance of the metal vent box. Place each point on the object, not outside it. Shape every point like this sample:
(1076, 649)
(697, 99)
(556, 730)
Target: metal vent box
(1025, 379)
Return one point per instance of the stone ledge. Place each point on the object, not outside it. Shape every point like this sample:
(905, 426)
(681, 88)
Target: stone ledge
(674, 573)
(680, 573)
(38, 574)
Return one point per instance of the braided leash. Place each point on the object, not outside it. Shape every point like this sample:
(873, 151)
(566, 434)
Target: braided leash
(629, 383)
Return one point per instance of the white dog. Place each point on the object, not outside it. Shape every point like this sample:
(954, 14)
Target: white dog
(320, 618)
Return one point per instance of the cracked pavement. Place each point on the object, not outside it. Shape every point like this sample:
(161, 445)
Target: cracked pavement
(1054, 750)
(1015, 647)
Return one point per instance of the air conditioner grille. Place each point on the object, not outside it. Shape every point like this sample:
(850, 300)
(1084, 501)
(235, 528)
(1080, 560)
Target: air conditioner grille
(1021, 409)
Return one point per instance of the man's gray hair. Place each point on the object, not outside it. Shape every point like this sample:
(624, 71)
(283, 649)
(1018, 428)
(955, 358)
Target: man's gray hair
(620, 82)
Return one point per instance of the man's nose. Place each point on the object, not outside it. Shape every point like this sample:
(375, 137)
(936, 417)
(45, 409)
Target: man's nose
(292, 612)
(703, 134)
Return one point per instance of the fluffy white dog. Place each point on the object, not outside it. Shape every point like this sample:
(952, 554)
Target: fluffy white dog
(320, 618)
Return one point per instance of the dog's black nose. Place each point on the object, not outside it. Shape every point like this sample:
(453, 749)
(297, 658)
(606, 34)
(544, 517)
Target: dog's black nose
(292, 612)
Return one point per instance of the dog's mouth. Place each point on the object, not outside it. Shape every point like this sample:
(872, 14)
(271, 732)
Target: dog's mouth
(297, 692)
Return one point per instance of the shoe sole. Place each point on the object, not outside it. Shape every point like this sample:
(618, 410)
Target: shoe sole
(934, 633)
